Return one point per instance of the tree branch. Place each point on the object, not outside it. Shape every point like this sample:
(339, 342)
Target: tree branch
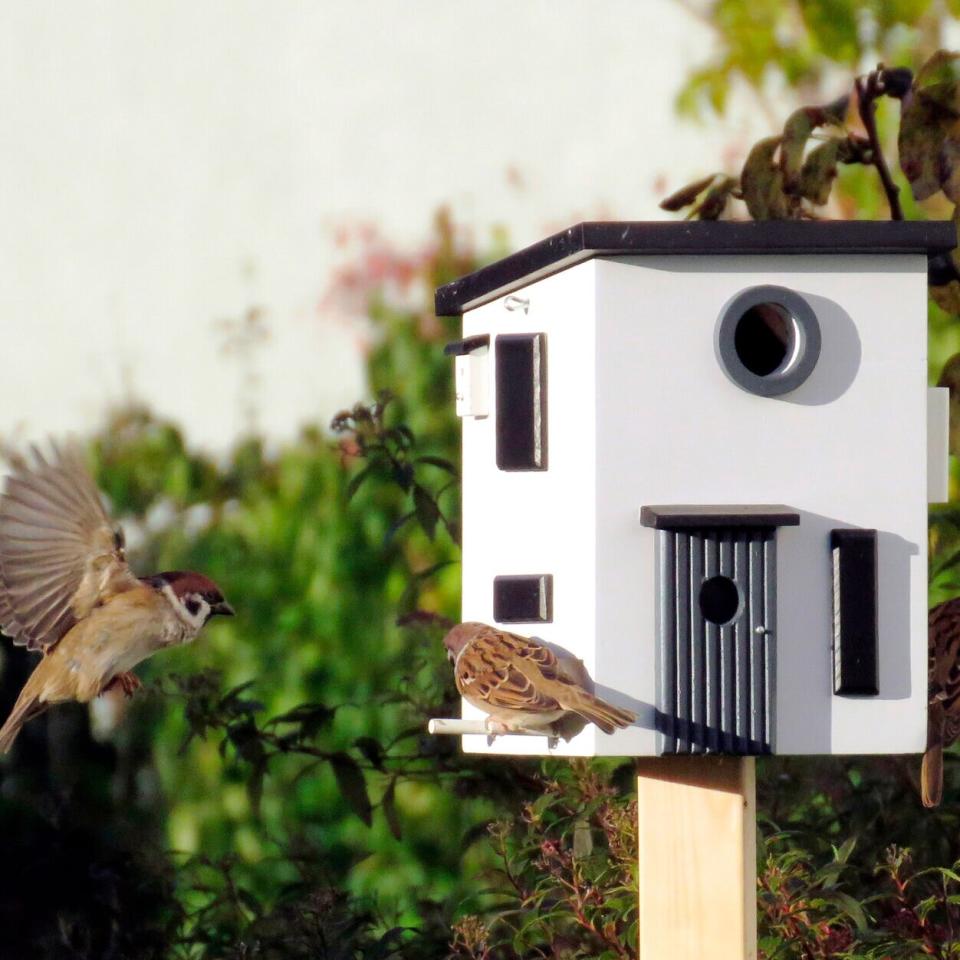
(869, 89)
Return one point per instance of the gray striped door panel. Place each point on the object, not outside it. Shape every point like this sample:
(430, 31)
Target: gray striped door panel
(716, 640)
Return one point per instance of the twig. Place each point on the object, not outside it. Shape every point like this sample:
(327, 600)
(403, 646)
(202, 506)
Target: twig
(869, 88)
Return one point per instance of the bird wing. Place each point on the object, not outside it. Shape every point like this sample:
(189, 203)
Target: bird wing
(60, 556)
(504, 670)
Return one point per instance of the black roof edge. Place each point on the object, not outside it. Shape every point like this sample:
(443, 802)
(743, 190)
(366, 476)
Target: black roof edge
(698, 516)
(692, 238)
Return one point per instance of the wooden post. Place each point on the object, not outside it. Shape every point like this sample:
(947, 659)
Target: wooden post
(698, 874)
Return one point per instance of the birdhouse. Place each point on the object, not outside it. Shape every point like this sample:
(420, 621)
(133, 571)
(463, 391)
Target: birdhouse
(698, 457)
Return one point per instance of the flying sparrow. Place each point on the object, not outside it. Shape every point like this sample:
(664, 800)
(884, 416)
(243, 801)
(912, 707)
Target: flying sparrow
(943, 710)
(66, 590)
(522, 684)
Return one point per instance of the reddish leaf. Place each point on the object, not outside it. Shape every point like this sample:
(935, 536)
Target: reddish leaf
(922, 136)
(938, 81)
(949, 161)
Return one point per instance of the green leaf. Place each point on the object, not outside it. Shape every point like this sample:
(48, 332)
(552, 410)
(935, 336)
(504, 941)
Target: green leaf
(762, 182)
(354, 485)
(439, 462)
(403, 475)
(372, 751)
(394, 527)
(255, 785)
(582, 839)
(846, 848)
(427, 511)
(852, 908)
(714, 202)
(796, 131)
(819, 171)
(353, 786)
(312, 718)
(389, 805)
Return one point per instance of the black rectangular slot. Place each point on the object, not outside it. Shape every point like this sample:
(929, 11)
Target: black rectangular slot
(521, 401)
(460, 348)
(523, 599)
(855, 612)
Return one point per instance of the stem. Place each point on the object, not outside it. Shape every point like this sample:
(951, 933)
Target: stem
(869, 88)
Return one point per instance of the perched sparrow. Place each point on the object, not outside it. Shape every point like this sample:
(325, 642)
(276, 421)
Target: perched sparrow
(522, 684)
(66, 589)
(943, 710)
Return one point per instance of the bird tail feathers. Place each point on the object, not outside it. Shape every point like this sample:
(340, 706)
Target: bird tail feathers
(594, 710)
(931, 770)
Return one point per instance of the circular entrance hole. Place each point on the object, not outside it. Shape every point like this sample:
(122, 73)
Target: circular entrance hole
(719, 599)
(764, 338)
(767, 340)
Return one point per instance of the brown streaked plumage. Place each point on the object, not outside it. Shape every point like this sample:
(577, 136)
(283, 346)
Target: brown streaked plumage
(943, 712)
(66, 589)
(523, 684)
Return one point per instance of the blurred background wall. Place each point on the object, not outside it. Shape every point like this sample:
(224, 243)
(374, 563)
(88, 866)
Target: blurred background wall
(166, 168)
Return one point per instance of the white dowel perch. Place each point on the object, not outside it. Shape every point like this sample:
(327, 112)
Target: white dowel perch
(456, 728)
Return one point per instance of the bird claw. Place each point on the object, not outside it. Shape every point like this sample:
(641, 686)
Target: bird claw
(129, 683)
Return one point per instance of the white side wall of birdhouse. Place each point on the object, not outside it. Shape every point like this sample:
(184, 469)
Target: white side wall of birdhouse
(847, 448)
(537, 522)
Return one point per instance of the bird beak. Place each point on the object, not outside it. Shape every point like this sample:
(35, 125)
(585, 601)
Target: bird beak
(223, 608)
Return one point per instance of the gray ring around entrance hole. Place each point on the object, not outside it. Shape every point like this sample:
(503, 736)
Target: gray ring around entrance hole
(767, 340)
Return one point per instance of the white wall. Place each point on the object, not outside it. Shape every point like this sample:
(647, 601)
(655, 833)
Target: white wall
(164, 166)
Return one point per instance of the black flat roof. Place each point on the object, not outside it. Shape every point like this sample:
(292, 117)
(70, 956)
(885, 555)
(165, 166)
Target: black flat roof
(691, 237)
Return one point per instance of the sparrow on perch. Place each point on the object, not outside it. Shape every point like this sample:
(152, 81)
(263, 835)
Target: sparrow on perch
(943, 709)
(66, 590)
(522, 684)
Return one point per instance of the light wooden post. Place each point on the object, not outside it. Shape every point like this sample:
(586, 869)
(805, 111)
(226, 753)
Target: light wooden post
(698, 874)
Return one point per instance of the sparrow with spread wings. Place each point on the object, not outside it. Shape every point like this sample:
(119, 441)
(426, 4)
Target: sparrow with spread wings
(522, 684)
(66, 590)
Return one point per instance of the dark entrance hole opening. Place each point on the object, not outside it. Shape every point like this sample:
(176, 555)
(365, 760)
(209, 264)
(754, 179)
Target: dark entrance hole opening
(764, 338)
(719, 599)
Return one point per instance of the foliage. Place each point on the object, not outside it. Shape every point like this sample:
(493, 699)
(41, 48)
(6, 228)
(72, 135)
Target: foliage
(803, 45)
(274, 794)
(853, 867)
(570, 865)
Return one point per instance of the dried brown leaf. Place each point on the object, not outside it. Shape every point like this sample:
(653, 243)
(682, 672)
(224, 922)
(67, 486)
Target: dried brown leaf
(686, 195)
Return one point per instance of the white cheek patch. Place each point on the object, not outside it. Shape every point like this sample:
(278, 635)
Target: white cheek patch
(193, 620)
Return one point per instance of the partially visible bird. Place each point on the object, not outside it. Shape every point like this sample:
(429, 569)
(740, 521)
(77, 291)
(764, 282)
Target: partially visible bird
(522, 684)
(66, 590)
(943, 710)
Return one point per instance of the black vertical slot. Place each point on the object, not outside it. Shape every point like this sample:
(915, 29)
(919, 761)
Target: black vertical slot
(854, 612)
(521, 401)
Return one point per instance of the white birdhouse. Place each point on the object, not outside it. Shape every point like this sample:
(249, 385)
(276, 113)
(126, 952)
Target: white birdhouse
(698, 457)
